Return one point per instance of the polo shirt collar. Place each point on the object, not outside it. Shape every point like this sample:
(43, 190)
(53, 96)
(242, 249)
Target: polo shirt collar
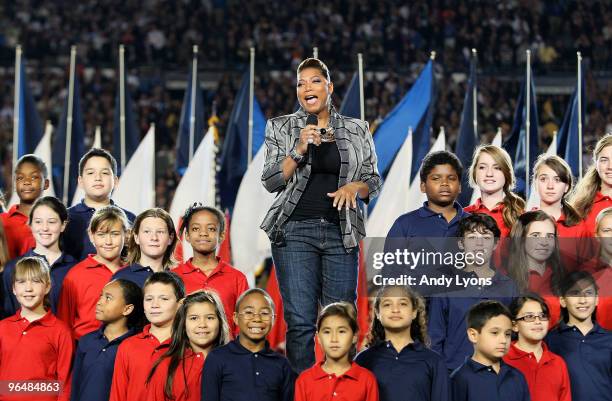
(319, 373)
(81, 207)
(100, 335)
(600, 197)
(564, 327)
(425, 211)
(220, 268)
(516, 353)
(14, 210)
(479, 367)
(237, 348)
(137, 267)
(479, 205)
(63, 259)
(146, 333)
(414, 346)
(47, 320)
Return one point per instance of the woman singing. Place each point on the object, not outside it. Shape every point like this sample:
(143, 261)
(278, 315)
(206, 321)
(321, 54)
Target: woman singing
(319, 162)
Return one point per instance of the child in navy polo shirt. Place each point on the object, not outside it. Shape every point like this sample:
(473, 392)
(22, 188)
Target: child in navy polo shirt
(484, 376)
(199, 327)
(246, 369)
(162, 294)
(120, 311)
(398, 352)
(84, 282)
(545, 371)
(478, 237)
(150, 247)
(34, 344)
(97, 178)
(31, 179)
(48, 219)
(204, 228)
(581, 341)
(337, 376)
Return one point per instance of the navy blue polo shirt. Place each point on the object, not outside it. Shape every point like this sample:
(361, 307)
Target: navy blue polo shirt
(135, 273)
(415, 370)
(588, 359)
(448, 312)
(94, 363)
(426, 223)
(75, 236)
(233, 373)
(474, 381)
(59, 269)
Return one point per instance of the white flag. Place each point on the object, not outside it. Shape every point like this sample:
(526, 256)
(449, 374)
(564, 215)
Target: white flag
(250, 243)
(136, 190)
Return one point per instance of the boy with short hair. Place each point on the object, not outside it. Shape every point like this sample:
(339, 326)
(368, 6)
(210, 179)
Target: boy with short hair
(478, 236)
(485, 376)
(246, 368)
(31, 179)
(98, 178)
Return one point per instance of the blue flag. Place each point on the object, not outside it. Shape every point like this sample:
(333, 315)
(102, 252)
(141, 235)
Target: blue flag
(568, 141)
(516, 145)
(414, 110)
(468, 138)
(234, 156)
(30, 128)
(183, 137)
(351, 103)
(132, 134)
(77, 146)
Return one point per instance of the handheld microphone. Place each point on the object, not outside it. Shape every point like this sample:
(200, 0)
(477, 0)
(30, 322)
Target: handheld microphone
(312, 119)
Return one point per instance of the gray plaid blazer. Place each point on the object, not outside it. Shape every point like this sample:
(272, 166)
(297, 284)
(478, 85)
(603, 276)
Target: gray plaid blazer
(357, 163)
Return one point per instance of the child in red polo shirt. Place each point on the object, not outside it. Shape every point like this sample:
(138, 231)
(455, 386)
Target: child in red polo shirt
(337, 377)
(545, 372)
(553, 179)
(136, 355)
(199, 326)
(594, 191)
(534, 262)
(30, 181)
(204, 229)
(491, 172)
(34, 344)
(83, 284)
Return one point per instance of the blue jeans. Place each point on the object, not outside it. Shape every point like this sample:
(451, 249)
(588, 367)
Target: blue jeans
(313, 268)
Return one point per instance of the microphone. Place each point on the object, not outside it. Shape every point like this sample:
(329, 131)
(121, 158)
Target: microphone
(312, 119)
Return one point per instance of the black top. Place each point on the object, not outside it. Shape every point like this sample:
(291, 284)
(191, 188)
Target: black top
(314, 203)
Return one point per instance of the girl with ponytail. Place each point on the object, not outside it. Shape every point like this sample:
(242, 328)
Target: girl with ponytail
(399, 335)
(491, 172)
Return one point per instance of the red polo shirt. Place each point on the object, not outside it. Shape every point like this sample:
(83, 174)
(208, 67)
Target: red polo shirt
(19, 238)
(496, 213)
(134, 360)
(190, 372)
(541, 284)
(80, 293)
(357, 384)
(547, 378)
(38, 350)
(604, 306)
(600, 202)
(228, 282)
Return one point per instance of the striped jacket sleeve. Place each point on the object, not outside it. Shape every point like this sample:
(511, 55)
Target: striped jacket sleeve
(274, 153)
(369, 168)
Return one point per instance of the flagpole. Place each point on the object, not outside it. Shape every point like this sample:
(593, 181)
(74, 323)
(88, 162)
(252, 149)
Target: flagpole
(122, 104)
(579, 57)
(315, 52)
(474, 96)
(251, 104)
(65, 187)
(527, 123)
(194, 81)
(16, 105)
(361, 99)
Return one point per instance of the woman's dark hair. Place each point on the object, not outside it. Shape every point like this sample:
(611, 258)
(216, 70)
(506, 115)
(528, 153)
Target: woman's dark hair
(132, 295)
(418, 328)
(346, 311)
(439, 158)
(316, 64)
(170, 278)
(198, 207)
(134, 252)
(569, 282)
(180, 340)
(57, 206)
(518, 262)
(517, 304)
